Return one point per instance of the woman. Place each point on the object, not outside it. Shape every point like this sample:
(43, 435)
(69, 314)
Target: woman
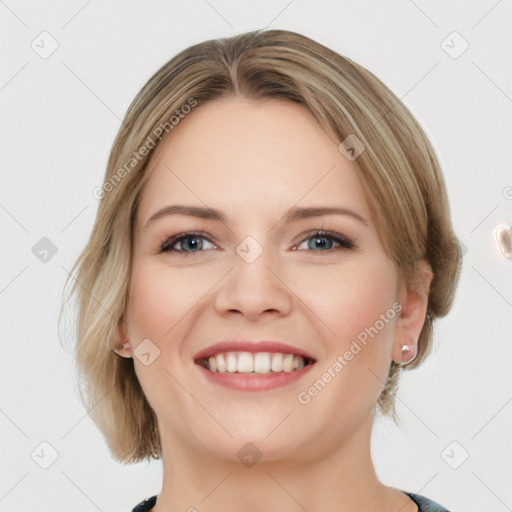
(270, 251)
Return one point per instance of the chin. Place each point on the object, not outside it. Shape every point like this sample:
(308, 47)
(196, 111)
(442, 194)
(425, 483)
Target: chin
(256, 448)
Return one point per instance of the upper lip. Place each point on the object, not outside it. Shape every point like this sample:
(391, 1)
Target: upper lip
(243, 345)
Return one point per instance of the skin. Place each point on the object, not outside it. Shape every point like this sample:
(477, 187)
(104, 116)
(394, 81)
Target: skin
(255, 161)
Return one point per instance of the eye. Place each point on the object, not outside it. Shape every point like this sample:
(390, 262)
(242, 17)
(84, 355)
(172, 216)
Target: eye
(320, 241)
(323, 241)
(187, 242)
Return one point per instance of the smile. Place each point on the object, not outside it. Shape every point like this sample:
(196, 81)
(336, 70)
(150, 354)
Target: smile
(259, 371)
(253, 363)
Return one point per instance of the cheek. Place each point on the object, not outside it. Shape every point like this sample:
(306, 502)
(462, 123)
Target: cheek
(148, 302)
(159, 303)
(160, 299)
(351, 377)
(357, 305)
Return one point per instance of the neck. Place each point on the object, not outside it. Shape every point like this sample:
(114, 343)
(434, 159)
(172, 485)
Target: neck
(317, 478)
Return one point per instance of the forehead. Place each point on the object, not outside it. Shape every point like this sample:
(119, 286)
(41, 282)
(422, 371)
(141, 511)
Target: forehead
(246, 157)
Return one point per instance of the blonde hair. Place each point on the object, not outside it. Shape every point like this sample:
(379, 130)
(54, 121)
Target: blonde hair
(398, 171)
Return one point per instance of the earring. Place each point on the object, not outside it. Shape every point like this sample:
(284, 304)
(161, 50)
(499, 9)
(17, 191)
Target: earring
(124, 347)
(408, 354)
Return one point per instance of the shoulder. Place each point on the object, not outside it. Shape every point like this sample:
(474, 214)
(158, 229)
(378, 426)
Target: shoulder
(426, 505)
(145, 505)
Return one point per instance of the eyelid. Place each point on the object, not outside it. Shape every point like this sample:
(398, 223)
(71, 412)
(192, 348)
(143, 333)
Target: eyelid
(344, 242)
(169, 241)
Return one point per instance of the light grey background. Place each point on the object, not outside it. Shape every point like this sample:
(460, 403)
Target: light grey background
(60, 113)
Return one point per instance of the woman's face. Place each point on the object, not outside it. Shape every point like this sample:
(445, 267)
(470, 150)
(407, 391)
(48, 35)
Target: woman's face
(260, 274)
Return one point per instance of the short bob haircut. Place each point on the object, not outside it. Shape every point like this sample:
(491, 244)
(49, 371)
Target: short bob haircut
(398, 171)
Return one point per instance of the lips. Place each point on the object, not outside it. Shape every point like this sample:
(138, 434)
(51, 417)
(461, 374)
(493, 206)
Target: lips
(253, 366)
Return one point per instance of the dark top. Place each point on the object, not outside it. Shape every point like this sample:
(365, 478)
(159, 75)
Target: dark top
(424, 504)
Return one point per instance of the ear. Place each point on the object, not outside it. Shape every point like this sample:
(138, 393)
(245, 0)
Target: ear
(412, 317)
(123, 345)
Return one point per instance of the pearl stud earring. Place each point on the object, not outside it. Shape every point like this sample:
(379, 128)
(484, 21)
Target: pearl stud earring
(408, 354)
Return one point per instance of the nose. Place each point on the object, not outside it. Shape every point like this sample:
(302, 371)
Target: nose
(254, 287)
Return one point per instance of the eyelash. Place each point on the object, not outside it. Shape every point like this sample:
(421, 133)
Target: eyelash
(345, 243)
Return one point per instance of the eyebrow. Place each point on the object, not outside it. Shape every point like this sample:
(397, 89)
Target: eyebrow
(293, 215)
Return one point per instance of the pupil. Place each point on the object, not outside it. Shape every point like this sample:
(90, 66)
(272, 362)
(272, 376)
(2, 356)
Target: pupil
(319, 241)
(192, 242)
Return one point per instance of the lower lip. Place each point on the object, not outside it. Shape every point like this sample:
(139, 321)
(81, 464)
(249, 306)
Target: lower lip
(252, 381)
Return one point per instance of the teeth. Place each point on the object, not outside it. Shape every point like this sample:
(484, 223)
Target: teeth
(261, 362)
(277, 362)
(245, 363)
(231, 362)
(288, 363)
(221, 363)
